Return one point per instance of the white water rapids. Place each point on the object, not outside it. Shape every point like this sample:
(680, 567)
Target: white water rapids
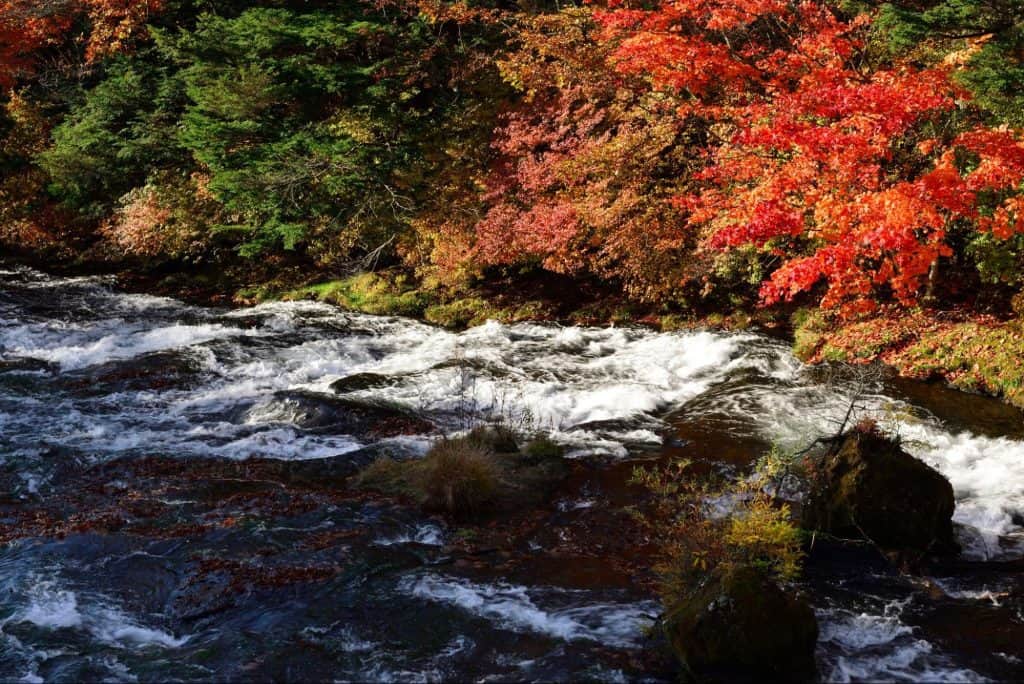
(243, 379)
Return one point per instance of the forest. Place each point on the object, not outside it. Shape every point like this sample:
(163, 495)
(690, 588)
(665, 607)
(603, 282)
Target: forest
(861, 160)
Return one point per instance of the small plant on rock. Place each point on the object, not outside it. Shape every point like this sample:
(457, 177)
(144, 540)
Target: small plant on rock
(701, 526)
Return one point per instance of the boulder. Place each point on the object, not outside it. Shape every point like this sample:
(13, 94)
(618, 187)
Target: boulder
(870, 487)
(742, 626)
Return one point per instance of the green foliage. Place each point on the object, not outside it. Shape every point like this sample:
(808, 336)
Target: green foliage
(987, 35)
(116, 134)
(998, 261)
(285, 112)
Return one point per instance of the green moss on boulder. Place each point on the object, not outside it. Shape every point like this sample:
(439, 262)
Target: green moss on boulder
(742, 626)
(870, 487)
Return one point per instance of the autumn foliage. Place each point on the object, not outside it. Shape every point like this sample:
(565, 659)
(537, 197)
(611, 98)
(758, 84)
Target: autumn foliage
(684, 152)
(27, 27)
(840, 173)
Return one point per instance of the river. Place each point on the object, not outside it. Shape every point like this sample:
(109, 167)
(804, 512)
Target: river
(174, 503)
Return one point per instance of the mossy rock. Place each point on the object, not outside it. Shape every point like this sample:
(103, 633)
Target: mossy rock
(542, 448)
(871, 487)
(742, 626)
(461, 313)
(379, 293)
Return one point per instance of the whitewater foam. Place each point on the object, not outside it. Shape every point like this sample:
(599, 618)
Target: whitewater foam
(53, 608)
(520, 609)
(857, 647)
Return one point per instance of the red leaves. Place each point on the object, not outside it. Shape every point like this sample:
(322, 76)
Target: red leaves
(27, 26)
(809, 159)
(770, 219)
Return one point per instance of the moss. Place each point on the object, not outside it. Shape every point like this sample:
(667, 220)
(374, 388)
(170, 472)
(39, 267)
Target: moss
(871, 487)
(715, 320)
(808, 330)
(673, 322)
(460, 313)
(373, 293)
(830, 353)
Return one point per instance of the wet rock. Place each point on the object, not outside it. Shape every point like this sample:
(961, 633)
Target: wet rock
(152, 371)
(27, 365)
(741, 626)
(316, 411)
(870, 487)
(361, 381)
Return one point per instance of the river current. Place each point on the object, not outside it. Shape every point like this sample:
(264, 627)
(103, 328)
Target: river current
(231, 555)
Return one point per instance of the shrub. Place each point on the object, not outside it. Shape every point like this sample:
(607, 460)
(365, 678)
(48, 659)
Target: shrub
(694, 539)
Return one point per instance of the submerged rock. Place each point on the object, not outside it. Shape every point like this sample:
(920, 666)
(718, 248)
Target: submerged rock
(741, 626)
(870, 487)
(359, 418)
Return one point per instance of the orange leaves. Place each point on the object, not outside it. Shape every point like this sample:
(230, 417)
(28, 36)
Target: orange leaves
(115, 24)
(1007, 220)
(27, 26)
(680, 63)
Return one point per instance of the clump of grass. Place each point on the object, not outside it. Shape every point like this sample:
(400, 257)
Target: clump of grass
(543, 447)
(483, 470)
(500, 439)
(459, 477)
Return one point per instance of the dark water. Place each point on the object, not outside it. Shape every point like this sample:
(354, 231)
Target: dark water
(175, 502)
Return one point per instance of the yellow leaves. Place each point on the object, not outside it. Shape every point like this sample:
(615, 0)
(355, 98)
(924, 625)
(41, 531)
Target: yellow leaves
(763, 534)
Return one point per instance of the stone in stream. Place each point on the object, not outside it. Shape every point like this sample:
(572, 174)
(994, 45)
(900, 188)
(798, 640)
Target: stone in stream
(870, 487)
(361, 381)
(741, 626)
(359, 418)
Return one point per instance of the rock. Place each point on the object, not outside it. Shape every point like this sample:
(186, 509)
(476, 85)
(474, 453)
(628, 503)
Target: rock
(741, 626)
(363, 419)
(361, 381)
(870, 487)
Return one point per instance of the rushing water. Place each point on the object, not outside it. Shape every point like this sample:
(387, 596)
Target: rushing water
(181, 413)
